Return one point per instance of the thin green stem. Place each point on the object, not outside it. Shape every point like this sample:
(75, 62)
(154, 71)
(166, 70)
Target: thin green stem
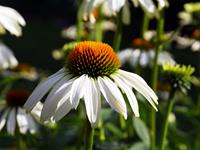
(118, 32)
(89, 136)
(19, 142)
(101, 131)
(160, 29)
(166, 122)
(145, 25)
(79, 23)
(98, 31)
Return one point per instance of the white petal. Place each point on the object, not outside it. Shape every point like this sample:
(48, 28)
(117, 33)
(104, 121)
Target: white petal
(7, 58)
(3, 118)
(112, 95)
(147, 5)
(36, 111)
(42, 89)
(10, 20)
(92, 101)
(124, 55)
(11, 123)
(31, 124)
(115, 5)
(60, 91)
(144, 59)
(140, 85)
(77, 91)
(22, 121)
(62, 110)
(130, 95)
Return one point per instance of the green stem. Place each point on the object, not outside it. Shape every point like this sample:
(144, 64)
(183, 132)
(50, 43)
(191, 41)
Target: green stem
(160, 29)
(89, 135)
(166, 122)
(20, 143)
(99, 31)
(118, 32)
(101, 131)
(145, 25)
(79, 23)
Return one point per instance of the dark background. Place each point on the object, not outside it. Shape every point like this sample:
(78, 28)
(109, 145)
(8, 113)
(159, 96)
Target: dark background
(46, 18)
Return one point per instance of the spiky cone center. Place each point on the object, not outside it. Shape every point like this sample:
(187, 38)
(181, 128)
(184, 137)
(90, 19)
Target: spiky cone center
(17, 97)
(93, 59)
(142, 44)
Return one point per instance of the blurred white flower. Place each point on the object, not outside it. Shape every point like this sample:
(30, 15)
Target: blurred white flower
(7, 58)
(92, 69)
(143, 54)
(143, 58)
(22, 70)
(11, 20)
(14, 116)
(192, 41)
(115, 5)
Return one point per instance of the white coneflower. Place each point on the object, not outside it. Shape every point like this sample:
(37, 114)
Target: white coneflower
(114, 6)
(23, 71)
(14, 116)
(7, 58)
(11, 20)
(192, 41)
(143, 54)
(92, 69)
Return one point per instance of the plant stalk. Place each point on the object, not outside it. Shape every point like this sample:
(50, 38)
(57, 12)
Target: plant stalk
(89, 136)
(118, 32)
(160, 29)
(166, 122)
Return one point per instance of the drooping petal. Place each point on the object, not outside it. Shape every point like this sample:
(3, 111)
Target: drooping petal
(60, 91)
(140, 85)
(148, 6)
(42, 89)
(22, 121)
(3, 118)
(11, 20)
(11, 123)
(144, 59)
(7, 58)
(92, 101)
(77, 91)
(31, 124)
(62, 110)
(130, 95)
(36, 111)
(112, 95)
(115, 5)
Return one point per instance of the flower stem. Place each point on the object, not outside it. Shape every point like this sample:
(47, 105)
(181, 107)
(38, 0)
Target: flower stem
(101, 131)
(99, 31)
(118, 32)
(160, 29)
(89, 135)
(166, 122)
(79, 23)
(145, 25)
(20, 143)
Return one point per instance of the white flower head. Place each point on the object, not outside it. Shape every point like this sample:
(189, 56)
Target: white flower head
(7, 58)
(143, 54)
(92, 69)
(114, 6)
(13, 115)
(11, 20)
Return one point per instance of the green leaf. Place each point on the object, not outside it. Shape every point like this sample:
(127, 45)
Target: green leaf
(139, 146)
(142, 131)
